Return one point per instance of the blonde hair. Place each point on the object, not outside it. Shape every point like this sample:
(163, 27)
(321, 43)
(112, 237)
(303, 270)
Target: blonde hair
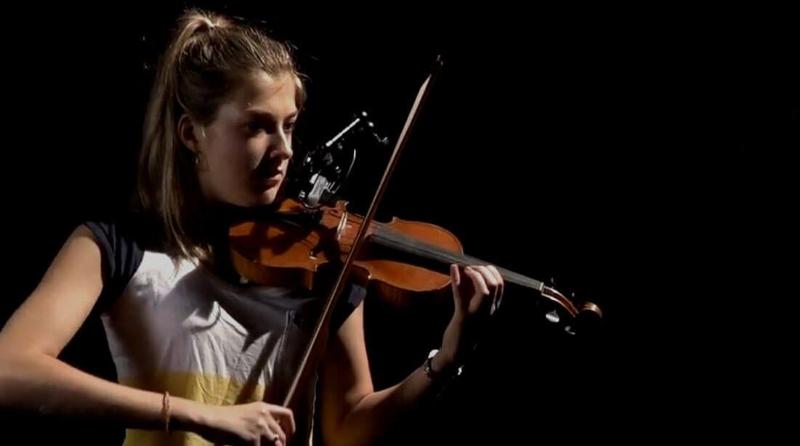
(207, 58)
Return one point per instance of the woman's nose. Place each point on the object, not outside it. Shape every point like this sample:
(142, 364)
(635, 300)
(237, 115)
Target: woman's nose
(281, 146)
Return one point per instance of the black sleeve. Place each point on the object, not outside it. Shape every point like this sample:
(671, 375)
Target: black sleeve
(121, 257)
(350, 299)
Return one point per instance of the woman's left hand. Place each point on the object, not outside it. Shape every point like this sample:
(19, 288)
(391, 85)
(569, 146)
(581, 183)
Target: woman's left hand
(477, 293)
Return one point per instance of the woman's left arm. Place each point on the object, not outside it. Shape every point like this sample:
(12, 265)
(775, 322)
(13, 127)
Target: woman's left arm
(352, 413)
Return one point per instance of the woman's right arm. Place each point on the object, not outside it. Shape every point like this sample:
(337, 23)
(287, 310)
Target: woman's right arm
(33, 378)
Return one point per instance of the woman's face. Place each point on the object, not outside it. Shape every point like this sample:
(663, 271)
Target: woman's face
(245, 151)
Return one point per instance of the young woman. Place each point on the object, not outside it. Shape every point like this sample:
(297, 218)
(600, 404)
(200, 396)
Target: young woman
(196, 351)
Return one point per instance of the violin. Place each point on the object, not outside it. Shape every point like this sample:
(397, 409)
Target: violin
(402, 259)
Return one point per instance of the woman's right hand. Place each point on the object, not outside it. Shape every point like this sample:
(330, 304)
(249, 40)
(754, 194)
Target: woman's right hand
(249, 424)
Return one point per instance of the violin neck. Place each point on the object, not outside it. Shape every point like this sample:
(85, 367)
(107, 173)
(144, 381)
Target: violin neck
(441, 259)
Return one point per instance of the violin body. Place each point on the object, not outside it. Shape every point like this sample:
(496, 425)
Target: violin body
(292, 247)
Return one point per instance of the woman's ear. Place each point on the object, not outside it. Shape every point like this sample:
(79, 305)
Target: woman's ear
(188, 133)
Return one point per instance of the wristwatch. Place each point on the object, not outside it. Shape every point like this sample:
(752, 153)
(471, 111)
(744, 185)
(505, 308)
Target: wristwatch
(435, 374)
(428, 367)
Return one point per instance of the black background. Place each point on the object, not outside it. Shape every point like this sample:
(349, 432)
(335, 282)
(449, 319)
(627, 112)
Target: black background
(641, 158)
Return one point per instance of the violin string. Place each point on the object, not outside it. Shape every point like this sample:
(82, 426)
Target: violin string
(395, 240)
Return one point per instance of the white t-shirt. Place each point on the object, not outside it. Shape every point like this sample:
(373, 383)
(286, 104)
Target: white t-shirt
(181, 329)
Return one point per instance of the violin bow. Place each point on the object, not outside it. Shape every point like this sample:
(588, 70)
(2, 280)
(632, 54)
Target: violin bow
(319, 337)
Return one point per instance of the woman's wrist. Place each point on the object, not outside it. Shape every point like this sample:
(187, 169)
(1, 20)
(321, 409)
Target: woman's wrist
(442, 361)
(453, 339)
(187, 415)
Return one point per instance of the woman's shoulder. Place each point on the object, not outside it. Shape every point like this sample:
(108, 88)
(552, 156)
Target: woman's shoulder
(123, 240)
(129, 228)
